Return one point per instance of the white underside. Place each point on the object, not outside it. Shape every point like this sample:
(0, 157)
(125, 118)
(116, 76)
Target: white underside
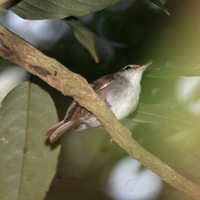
(122, 99)
(126, 102)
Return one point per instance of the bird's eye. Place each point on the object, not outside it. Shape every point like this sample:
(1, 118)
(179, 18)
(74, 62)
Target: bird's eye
(128, 67)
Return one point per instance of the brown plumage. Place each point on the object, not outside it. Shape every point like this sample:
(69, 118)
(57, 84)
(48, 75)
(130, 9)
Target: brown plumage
(119, 90)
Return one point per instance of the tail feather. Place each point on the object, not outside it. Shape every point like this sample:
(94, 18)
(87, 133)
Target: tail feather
(52, 129)
(58, 129)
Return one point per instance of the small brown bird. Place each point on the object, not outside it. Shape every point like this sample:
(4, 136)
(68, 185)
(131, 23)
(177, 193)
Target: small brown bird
(120, 91)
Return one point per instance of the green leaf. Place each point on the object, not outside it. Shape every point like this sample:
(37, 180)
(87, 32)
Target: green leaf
(159, 4)
(56, 9)
(84, 36)
(168, 71)
(159, 114)
(27, 164)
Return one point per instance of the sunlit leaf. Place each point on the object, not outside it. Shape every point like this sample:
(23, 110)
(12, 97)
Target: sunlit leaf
(56, 9)
(85, 36)
(159, 4)
(156, 113)
(27, 164)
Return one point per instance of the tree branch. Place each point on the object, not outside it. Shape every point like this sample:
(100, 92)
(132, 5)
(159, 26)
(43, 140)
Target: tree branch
(18, 51)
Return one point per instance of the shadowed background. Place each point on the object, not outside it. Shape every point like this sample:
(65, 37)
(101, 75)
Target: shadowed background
(166, 122)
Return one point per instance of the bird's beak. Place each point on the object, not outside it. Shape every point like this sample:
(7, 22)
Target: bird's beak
(145, 66)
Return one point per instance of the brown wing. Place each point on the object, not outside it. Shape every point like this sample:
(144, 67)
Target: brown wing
(102, 82)
(70, 111)
(76, 111)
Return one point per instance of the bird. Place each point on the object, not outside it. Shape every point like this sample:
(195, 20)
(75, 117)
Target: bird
(120, 91)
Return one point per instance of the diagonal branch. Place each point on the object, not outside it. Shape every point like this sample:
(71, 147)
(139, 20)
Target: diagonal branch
(18, 51)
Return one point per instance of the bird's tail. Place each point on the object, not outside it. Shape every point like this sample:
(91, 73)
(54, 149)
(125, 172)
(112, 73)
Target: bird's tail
(58, 129)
